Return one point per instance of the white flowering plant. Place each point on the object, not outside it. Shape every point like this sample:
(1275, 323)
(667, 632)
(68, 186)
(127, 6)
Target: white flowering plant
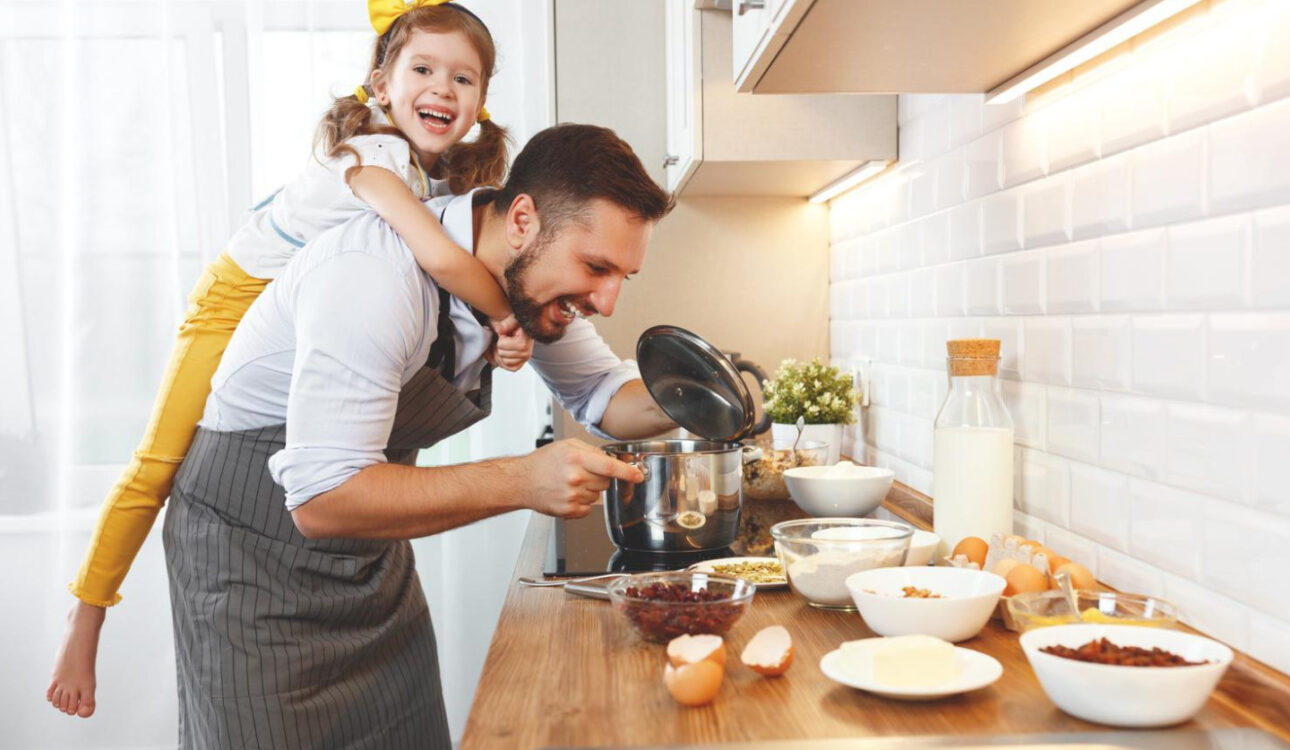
(819, 393)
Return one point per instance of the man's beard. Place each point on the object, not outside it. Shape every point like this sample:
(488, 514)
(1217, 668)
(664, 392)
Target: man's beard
(528, 311)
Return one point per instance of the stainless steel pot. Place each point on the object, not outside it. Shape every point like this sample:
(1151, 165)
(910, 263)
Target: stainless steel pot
(690, 499)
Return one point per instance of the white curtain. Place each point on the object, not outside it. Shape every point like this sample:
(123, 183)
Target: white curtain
(133, 135)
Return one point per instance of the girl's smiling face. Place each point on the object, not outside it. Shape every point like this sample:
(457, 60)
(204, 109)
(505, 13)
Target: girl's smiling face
(433, 91)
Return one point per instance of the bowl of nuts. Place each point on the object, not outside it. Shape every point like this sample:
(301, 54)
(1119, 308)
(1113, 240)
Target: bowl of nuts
(662, 606)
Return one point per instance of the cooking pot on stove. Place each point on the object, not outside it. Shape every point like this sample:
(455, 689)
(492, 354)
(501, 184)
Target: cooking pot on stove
(693, 489)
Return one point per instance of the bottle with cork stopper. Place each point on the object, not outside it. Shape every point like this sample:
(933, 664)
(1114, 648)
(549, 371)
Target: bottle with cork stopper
(972, 448)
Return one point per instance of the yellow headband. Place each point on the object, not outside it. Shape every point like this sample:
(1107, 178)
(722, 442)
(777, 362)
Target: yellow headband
(384, 12)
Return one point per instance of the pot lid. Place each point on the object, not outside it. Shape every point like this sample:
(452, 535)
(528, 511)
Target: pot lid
(695, 384)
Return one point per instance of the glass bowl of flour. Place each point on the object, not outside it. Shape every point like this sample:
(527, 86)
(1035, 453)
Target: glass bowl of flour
(819, 553)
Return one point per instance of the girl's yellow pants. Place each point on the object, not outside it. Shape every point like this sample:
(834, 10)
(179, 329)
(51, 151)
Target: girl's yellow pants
(216, 304)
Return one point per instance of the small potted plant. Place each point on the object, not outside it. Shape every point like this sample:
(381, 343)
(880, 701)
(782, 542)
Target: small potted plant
(820, 395)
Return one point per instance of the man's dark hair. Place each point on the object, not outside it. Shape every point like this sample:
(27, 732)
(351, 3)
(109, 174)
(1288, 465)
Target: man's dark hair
(564, 167)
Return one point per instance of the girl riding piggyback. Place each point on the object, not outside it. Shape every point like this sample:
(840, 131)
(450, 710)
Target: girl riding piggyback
(394, 143)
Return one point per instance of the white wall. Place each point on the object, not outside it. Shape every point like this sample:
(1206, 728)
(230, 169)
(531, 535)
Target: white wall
(1127, 236)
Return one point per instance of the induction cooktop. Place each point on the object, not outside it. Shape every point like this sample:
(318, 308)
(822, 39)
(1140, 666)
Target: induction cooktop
(582, 547)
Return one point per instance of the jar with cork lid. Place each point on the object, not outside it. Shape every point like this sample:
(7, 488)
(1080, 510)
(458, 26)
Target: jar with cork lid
(972, 448)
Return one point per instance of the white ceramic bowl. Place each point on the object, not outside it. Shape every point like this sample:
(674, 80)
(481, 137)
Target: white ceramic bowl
(921, 548)
(1126, 696)
(843, 490)
(968, 600)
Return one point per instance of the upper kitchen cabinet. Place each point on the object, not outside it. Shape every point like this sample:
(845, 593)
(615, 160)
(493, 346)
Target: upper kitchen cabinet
(720, 142)
(871, 46)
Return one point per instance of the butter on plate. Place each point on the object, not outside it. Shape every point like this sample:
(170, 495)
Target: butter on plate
(916, 661)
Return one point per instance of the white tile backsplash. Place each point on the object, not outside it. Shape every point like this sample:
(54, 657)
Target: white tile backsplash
(1168, 180)
(1071, 278)
(1100, 352)
(1249, 165)
(981, 294)
(1127, 238)
(1022, 283)
(1165, 527)
(1249, 360)
(1045, 210)
(1046, 352)
(1074, 423)
(1205, 264)
(1133, 435)
(1100, 198)
(1001, 222)
(1169, 355)
(1099, 505)
(1133, 271)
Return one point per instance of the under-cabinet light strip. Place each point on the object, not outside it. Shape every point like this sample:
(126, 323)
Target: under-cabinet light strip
(1125, 26)
(849, 180)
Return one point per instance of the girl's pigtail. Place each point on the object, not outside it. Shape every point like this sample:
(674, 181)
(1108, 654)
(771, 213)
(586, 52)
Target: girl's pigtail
(480, 163)
(347, 118)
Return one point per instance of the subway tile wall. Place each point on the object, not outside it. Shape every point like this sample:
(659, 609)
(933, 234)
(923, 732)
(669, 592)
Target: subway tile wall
(1127, 236)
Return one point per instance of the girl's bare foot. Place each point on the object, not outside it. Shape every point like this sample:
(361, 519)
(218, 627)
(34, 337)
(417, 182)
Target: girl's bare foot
(71, 687)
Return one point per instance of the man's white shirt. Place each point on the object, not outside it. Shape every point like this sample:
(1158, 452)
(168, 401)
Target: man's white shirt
(329, 344)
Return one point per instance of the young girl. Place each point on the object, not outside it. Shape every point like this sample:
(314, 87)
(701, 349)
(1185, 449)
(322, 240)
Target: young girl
(378, 149)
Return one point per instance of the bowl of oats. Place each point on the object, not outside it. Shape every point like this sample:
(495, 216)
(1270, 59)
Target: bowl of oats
(764, 477)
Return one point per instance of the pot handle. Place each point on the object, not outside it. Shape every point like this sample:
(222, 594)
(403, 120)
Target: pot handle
(644, 467)
(751, 453)
(744, 365)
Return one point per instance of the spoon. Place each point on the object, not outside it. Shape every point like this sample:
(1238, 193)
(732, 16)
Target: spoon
(561, 582)
(801, 424)
(1064, 585)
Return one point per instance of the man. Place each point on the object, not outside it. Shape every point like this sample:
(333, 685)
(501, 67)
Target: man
(299, 619)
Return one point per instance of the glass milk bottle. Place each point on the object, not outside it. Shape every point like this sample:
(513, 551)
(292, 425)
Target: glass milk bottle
(972, 458)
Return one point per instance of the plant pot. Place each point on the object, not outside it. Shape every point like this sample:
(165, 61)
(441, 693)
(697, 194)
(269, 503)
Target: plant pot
(829, 434)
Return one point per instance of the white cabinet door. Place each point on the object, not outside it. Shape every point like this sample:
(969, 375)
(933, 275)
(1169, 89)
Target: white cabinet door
(684, 94)
(750, 23)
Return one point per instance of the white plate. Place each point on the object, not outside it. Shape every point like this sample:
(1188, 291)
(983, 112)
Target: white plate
(707, 566)
(975, 671)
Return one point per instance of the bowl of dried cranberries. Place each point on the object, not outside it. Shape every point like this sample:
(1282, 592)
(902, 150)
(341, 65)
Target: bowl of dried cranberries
(661, 606)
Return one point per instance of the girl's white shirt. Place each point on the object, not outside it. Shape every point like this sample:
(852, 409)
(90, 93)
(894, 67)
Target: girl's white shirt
(319, 198)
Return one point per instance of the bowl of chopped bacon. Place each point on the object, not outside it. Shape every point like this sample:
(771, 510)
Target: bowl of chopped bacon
(1126, 675)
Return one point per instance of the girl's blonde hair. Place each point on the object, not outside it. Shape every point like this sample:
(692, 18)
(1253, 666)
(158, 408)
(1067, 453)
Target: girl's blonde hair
(465, 165)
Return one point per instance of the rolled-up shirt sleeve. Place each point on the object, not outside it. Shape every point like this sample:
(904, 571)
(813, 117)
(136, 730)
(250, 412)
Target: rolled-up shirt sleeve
(583, 373)
(355, 333)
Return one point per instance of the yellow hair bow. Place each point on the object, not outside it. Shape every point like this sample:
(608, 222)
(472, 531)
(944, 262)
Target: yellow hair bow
(384, 12)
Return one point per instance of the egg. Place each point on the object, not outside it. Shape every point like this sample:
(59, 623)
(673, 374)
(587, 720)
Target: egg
(1031, 545)
(1004, 565)
(691, 649)
(693, 684)
(770, 652)
(1081, 577)
(1024, 577)
(973, 548)
(1055, 562)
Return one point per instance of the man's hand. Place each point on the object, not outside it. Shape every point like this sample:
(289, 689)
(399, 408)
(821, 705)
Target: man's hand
(566, 477)
(513, 346)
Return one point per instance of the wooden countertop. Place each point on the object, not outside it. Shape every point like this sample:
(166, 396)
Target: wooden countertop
(566, 670)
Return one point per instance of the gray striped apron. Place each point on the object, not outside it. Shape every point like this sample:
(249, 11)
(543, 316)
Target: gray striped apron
(288, 642)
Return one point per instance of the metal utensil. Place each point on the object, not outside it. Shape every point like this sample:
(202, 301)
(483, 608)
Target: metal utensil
(524, 581)
(1063, 580)
(801, 424)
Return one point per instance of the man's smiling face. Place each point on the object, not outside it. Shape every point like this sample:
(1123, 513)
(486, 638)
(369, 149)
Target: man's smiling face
(575, 270)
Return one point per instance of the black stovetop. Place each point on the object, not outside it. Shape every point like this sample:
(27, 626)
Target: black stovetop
(582, 547)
